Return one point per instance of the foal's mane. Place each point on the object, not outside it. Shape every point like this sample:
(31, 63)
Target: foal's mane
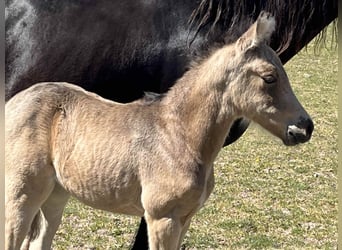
(292, 18)
(151, 97)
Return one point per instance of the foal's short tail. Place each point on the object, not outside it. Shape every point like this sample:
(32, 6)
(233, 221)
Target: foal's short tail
(35, 227)
(34, 231)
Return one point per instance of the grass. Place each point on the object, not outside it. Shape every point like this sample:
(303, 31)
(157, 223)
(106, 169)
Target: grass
(267, 196)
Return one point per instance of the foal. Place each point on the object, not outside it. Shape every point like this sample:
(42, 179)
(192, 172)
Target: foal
(151, 158)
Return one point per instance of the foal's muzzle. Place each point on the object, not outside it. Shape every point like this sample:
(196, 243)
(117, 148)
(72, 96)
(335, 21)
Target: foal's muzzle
(300, 132)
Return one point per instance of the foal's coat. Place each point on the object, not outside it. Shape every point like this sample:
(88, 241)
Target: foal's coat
(151, 158)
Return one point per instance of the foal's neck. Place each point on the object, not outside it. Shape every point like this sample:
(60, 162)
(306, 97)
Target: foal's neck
(197, 104)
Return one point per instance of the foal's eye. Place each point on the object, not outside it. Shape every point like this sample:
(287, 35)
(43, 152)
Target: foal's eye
(269, 79)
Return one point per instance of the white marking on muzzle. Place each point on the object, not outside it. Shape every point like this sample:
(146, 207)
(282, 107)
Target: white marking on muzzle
(296, 130)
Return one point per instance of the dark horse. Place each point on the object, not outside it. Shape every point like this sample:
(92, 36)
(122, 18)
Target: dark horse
(121, 49)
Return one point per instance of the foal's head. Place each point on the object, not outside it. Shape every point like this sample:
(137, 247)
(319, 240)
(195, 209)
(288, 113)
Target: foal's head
(259, 88)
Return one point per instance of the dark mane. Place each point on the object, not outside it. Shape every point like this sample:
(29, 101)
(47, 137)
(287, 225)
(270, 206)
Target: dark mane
(295, 19)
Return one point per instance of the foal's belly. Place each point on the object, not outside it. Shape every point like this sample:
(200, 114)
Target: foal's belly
(103, 188)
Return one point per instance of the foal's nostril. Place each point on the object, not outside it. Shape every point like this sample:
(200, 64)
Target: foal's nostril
(301, 132)
(310, 127)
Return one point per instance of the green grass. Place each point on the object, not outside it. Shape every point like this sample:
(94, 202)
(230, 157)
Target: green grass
(267, 196)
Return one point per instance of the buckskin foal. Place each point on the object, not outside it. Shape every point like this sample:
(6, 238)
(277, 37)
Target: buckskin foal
(149, 157)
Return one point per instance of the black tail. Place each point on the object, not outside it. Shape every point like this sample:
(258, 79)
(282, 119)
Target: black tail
(141, 240)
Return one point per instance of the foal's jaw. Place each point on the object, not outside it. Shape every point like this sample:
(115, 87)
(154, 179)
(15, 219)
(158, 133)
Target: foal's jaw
(291, 133)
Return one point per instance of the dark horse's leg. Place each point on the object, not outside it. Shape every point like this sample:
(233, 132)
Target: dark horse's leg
(141, 241)
(237, 129)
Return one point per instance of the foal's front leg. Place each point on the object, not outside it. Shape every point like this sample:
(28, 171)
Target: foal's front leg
(163, 233)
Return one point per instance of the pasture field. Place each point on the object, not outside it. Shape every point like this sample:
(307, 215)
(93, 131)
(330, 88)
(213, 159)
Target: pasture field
(267, 196)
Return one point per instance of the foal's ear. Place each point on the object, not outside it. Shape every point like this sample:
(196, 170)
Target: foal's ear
(260, 31)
